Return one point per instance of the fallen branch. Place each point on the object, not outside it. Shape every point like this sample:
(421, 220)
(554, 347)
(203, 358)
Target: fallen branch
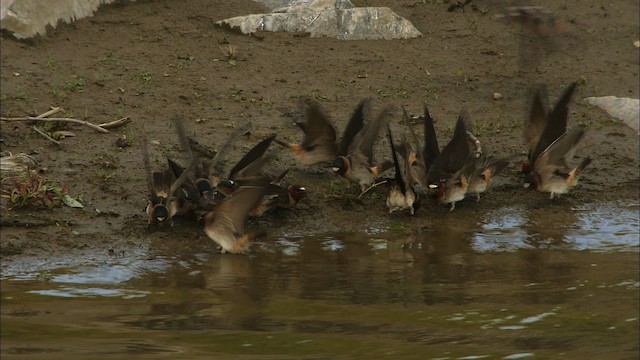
(75, 121)
(54, 110)
(116, 123)
(44, 135)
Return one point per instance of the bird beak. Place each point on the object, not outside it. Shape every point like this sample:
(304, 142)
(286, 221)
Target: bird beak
(526, 185)
(335, 169)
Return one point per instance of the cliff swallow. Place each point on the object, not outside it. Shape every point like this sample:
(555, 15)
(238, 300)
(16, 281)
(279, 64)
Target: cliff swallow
(162, 205)
(225, 224)
(320, 141)
(159, 185)
(451, 170)
(357, 165)
(279, 196)
(247, 169)
(485, 169)
(552, 173)
(543, 127)
(401, 194)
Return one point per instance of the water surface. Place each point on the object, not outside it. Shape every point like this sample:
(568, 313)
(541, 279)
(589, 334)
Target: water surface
(518, 283)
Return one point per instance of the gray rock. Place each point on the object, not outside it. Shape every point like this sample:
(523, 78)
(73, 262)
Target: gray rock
(625, 109)
(293, 5)
(326, 18)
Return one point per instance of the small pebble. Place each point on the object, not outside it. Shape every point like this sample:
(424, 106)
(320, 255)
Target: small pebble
(497, 96)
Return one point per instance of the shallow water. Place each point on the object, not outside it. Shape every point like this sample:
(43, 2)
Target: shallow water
(519, 283)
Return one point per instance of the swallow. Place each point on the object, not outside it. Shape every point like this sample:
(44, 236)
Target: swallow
(248, 168)
(485, 169)
(552, 173)
(161, 204)
(279, 196)
(159, 185)
(209, 173)
(319, 143)
(356, 164)
(544, 127)
(401, 194)
(451, 170)
(421, 158)
(225, 224)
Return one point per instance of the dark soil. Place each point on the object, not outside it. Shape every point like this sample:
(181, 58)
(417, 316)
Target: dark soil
(156, 60)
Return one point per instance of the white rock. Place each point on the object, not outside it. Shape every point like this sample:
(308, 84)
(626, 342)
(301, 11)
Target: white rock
(28, 18)
(625, 109)
(325, 18)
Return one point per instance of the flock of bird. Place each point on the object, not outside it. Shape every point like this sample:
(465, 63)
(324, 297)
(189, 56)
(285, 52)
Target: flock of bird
(222, 201)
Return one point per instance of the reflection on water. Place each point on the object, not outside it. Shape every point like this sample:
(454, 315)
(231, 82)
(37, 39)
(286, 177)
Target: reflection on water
(521, 283)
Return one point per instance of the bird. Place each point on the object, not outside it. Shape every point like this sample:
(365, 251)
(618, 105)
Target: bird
(544, 127)
(451, 170)
(162, 204)
(225, 224)
(357, 164)
(485, 169)
(279, 196)
(401, 194)
(551, 172)
(319, 143)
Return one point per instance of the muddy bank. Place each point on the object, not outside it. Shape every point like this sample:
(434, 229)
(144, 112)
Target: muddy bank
(156, 60)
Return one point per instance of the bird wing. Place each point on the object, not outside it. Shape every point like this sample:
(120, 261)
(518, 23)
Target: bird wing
(215, 165)
(536, 122)
(396, 163)
(556, 123)
(354, 126)
(560, 152)
(231, 213)
(369, 135)
(431, 149)
(318, 129)
(252, 155)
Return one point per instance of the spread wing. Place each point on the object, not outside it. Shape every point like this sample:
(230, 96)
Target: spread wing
(366, 138)
(431, 149)
(215, 165)
(560, 152)
(318, 129)
(536, 123)
(556, 123)
(454, 155)
(231, 214)
(252, 155)
(354, 126)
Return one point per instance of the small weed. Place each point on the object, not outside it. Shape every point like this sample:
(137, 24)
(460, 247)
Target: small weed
(52, 64)
(145, 76)
(105, 175)
(75, 85)
(402, 93)
(382, 93)
(582, 80)
(178, 65)
(106, 57)
(237, 94)
(59, 94)
(32, 191)
(318, 96)
(230, 52)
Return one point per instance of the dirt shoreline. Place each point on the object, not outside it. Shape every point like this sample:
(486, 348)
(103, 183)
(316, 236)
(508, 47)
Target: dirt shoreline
(154, 60)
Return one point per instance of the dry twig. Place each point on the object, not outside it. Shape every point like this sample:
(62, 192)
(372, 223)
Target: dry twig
(75, 121)
(116, 123)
